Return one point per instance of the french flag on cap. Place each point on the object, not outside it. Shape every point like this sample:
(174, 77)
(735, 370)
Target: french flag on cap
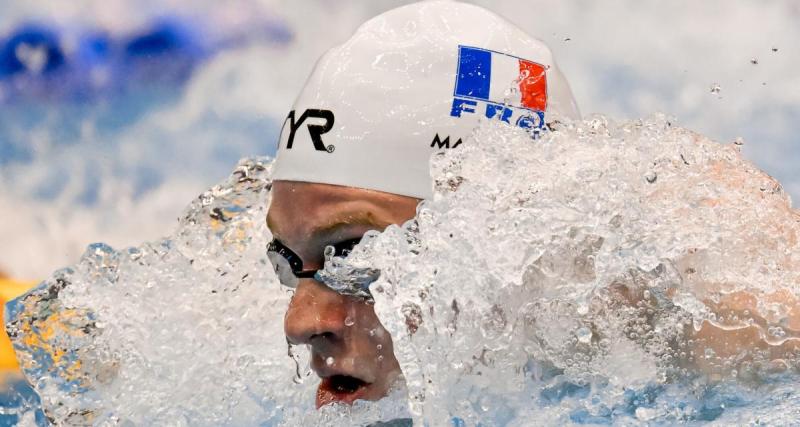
(488, 75)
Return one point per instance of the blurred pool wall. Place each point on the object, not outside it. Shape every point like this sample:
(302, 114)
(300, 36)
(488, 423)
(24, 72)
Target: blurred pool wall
(53, 63)
(99, 125)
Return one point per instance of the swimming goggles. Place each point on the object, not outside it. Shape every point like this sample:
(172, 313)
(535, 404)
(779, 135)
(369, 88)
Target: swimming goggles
(289, 267)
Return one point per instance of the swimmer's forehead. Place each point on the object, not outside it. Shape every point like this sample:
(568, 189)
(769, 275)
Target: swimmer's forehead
(309, 214)
(330, 224)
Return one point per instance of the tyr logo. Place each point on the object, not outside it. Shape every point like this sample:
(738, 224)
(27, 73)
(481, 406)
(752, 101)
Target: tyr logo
(445, 143)
(314, 131)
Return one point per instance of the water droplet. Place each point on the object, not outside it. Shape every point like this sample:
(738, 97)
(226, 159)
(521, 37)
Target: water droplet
(379, 347)
(298, 375)
(645, 414)
(329, 361)
(716, 88)
(348, 321)
(584, 335)
(777, 332)
(754, 61)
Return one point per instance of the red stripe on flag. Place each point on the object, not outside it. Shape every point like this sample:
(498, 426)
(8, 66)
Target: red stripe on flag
(533, 85)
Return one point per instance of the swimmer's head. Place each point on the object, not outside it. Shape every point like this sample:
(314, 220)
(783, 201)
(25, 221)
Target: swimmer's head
(410, 82)
(354, 151)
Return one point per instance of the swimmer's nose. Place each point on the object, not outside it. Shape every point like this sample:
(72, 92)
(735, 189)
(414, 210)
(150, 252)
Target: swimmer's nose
(315, 315)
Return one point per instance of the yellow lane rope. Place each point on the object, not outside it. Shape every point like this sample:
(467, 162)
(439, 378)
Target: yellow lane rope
(9, 289)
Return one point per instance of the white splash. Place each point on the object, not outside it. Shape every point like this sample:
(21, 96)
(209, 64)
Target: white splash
(548, 282)
(553, 280)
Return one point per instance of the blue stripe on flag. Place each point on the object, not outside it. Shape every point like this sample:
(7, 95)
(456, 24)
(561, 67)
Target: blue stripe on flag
(474, 72)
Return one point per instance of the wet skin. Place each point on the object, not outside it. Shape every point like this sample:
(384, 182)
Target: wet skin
(351, 351)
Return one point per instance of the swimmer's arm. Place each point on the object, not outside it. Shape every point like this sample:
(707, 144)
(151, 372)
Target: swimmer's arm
(731, 340)
(772, 339)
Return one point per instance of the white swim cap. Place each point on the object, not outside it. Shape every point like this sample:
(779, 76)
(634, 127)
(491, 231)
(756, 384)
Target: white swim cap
(410, 82)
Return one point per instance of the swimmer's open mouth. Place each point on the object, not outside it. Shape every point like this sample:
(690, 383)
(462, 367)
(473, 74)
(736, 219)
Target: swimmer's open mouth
(340, 388)
(345, 384)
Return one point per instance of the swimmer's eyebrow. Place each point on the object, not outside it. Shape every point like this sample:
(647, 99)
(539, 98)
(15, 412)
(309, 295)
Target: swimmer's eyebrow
(328, 231)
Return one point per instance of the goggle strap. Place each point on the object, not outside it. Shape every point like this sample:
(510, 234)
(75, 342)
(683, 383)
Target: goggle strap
(305, 274)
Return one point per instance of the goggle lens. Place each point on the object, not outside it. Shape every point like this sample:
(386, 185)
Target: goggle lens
(289, 267)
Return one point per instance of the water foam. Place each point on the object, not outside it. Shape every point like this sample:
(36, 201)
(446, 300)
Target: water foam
(583, 266)
(181, 331)
(561, 281)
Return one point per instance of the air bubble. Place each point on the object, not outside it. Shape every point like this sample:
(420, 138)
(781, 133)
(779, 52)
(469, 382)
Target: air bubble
(584, 335)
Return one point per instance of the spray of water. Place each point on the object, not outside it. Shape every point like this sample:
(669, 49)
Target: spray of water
(568, 280)
(181, 331)
(607, 271)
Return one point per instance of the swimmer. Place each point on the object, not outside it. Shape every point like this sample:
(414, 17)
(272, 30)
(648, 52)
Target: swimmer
(354, 151)
(353, 156)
